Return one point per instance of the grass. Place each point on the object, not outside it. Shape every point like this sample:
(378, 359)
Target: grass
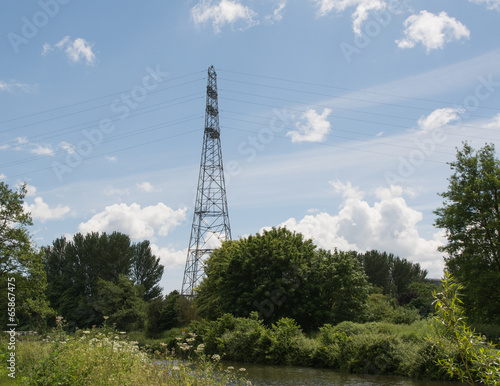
(106, 357)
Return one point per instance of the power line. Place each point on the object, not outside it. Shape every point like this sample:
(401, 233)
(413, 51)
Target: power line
(349, 89)
(83, 111)
(95, 99)
(362, 120)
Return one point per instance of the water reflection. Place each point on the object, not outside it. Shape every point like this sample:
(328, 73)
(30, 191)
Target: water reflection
(304, 376)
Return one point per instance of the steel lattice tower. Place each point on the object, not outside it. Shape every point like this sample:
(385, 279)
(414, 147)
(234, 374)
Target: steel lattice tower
(210, 219)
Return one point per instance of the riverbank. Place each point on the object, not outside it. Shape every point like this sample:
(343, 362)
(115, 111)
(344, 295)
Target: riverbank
(269, 375)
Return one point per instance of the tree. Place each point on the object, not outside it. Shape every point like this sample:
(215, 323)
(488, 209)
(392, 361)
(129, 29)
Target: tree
(122, 303)
(20, 263)
(470, 216)
(15, 243)
(75, 266)
(146, 270)
(279, 274)
(390, 273)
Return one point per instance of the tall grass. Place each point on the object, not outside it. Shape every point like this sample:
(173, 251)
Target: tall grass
(105, 357)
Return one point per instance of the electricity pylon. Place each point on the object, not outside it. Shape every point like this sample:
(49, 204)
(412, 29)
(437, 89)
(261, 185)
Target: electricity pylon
(210, 219)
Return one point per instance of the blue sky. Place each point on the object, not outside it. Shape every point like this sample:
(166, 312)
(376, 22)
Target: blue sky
(338, 117)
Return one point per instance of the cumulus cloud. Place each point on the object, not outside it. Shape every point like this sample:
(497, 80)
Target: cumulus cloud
(438, 119)
(41, 211)
(221, 13)
(170, 258)
(2, 176)
(494, 123)
(490, 4)
(432, 31)
(360, 15)
(313, 127)
(139, 223)
(388, 224)
(76, 50)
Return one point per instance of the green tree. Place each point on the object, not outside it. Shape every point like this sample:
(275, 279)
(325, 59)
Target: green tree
(279, 274)
(122, 303)
(20, 264)
(470, 216)
(75, 266)
(390, 273)
(146, 270)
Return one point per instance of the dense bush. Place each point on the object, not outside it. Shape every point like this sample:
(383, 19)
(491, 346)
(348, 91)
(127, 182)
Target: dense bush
(370, 348)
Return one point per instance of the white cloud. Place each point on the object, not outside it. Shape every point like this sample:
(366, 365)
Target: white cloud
(13, 85)
(139, 223)
(494, 124)
(360, 15)
(41, 211)
(490, 4)
(31, 190)
(146, 187)
(433, 31)
(76, 50)
(110, 191)
(2, 176)
(222, 13)
(42, 150)
(169, 257)
(110, 159)
(278, 12)
(46, 49)
(314, 129)
(438, 119)
(388, 224)
(68, 147)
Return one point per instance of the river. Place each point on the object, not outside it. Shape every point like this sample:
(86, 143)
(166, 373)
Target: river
(263, 375)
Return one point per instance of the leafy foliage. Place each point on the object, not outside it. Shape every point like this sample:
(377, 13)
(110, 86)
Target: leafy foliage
(122, 303)
(279, 274)
(471, 218)
(75, 267)
(476, 360)
(390, 273)
(146, 270)
(20, 263)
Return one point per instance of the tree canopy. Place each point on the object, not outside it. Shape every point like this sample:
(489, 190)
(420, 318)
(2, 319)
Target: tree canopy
(75, 269)
(279, 274)
(390, 273)
(20, 264)
(470, 216)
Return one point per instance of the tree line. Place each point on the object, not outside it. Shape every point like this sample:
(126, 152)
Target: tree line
(277, 273)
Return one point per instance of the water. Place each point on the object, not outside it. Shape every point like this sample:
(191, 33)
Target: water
(263, 375)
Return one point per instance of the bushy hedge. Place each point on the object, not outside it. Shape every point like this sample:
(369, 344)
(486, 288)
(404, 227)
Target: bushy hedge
(371, 348)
